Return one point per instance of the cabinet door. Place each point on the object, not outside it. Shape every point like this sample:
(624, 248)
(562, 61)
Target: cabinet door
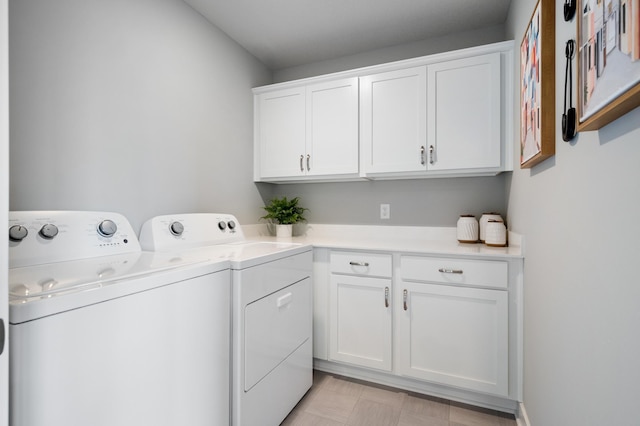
(360, 321)
(463, 111)
(332, 128)
(454, 335)
(281, 133)
(393, 121)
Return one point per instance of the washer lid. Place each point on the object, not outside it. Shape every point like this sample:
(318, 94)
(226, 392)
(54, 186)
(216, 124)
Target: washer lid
(55, 279)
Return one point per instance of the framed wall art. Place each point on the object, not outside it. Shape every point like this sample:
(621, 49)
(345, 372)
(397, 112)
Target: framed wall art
(537, 86)
(608, 44)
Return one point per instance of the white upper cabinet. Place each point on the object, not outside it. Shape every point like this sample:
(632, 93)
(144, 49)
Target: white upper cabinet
(308, 131)
(463, 114)
(332, 128)
(281, 132)
(393, 121)
(449, 114)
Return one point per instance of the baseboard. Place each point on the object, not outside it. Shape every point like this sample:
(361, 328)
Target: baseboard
(521, 416)
(491, 402)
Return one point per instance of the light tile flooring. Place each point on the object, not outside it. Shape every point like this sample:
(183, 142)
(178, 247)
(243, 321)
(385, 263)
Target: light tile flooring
(338, 401)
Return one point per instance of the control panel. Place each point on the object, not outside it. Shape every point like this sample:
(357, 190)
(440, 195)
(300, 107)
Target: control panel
(184, 231)
(37, 237)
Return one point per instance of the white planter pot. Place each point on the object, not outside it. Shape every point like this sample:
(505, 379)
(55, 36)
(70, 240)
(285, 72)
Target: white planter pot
(284, 231)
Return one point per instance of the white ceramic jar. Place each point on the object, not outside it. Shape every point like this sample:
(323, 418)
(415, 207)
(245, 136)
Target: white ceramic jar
(495, 233)
(467, 229)
(484, 219)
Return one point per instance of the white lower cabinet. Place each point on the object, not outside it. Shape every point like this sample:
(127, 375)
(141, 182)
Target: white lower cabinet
(444, 321)
(360, 309)
(454, 335)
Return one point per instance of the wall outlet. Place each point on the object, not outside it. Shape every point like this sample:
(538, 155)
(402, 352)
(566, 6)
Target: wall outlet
(385, 211)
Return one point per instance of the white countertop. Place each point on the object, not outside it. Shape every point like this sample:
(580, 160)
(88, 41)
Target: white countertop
(405, 239)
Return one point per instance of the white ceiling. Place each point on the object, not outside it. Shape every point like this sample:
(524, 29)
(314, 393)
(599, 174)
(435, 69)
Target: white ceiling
(285, 33)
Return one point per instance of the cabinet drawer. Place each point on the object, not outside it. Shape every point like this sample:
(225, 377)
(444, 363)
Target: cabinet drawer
(358, 263)
(471, 272)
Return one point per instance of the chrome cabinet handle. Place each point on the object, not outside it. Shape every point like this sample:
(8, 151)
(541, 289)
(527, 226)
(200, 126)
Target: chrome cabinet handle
(450, 271)
(301, 167)
(431, 151)
(386, 297)
(422, 155)
(2, 336)
(308, 158)
(352, 263)
(404, 299)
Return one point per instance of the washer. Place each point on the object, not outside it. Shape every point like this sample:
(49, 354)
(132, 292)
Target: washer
(104, 334)
(271, 310)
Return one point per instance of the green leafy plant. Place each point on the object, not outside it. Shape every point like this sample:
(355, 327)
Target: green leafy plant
(284, 212)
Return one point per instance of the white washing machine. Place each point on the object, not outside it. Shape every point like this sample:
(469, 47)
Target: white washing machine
(103, 334)
(272, 310)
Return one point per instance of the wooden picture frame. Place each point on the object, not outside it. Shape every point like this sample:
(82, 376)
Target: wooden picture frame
(608, 56)
(537, 86)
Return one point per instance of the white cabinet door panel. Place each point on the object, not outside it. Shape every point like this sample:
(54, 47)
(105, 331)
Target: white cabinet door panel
(454, 335)
(360, 321)
(281, 132)
(393, 121)
(464, 117)
(332, 128)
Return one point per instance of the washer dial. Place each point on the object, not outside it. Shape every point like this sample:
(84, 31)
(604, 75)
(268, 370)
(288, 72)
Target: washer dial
(48, 231)
(17, 233)
(176, 228)
(107, 228)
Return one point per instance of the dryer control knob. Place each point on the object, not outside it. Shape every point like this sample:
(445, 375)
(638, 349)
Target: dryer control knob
(231, 224)
(222, 225)
(17, 233)
(107, 228)
(176, 228)
(49, 231)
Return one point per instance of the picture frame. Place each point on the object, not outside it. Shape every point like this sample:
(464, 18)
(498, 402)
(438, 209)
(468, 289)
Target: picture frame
(608, 56)
(537, 86)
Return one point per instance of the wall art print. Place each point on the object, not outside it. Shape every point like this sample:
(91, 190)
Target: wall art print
(537, 86)
(608, 60)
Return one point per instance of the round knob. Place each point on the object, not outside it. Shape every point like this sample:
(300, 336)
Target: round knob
(222, 225)
(17, 233)
(176, 228)
(231, 224)
(107, 228)
(48, 231)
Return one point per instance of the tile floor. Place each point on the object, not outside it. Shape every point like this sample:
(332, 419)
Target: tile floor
(338, 401)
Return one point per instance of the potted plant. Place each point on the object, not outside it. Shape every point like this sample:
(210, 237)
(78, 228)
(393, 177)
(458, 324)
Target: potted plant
(284, 213)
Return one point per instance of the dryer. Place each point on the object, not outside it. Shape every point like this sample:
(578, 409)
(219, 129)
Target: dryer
(103, 334)
(271, 309)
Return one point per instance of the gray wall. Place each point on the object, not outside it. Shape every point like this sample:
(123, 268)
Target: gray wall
(135, 106)
(422, 202)
(582, 298)
(459, 40)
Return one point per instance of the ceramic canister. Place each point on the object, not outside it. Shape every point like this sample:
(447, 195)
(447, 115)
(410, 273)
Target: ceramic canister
(484, 219)
(467, 229)
(496, 233)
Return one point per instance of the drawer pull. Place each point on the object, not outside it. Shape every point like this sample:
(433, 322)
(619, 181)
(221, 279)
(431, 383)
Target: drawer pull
(386, 297)
(404, 299)
(450, 271)
(359, 263)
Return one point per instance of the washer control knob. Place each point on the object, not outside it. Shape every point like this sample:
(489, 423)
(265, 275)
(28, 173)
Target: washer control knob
(231, 224)
(222, 225)
(48, 231)
(107, 228)
(176, 228)
(17, 233)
